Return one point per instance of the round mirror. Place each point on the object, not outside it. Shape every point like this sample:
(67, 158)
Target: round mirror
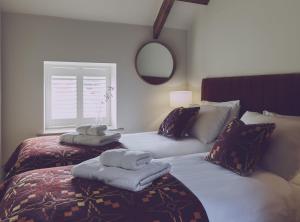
(155, 63)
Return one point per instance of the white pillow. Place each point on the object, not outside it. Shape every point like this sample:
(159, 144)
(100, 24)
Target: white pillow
(267, 113)
(210, 122)
(283, 155)
(233, 105)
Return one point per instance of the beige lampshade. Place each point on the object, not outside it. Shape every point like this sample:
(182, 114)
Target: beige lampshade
(181, 98)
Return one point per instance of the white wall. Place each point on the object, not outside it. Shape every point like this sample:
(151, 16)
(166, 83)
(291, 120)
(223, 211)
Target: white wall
(29, 40)
(1, 153)
(241, 37)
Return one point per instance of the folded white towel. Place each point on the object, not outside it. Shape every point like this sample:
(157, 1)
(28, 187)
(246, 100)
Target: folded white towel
(92, 130)
(76, 138)
(126, 159)
(133, 180)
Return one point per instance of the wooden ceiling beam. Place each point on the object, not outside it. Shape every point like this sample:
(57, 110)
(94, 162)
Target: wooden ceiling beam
(165, 11)
(162, 17)
(202, 2)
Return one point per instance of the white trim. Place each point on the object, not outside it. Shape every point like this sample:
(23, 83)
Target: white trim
(51, 132)
(78, 64)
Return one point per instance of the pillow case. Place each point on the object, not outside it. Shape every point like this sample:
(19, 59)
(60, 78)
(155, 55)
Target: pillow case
(283, 156)
(177, 123)
(240, 147)
(233, 105)
(267, 113)
(210, 121)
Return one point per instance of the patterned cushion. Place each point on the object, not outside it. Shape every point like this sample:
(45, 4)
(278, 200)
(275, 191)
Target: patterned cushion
(178, 122)
(240, 147)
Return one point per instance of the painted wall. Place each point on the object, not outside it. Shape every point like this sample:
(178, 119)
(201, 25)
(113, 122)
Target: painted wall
(29, 40)
(242, 37)
(1, 153)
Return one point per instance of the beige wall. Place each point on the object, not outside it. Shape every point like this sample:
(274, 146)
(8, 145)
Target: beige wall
(1, 153)
(30, 40)
(241, 37)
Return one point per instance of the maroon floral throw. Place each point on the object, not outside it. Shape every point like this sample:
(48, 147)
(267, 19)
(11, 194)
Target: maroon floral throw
(52, 195)
(44, 152)
(178, 122)
(240, 147)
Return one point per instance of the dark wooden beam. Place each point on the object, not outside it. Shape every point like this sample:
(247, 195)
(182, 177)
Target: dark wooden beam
(162, 17)
(164, 13)
(202, 2)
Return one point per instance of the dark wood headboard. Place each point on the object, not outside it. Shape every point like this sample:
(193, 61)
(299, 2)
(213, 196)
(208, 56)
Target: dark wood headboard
(277, 93)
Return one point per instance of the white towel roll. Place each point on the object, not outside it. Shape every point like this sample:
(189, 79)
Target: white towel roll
(126, 159)
(92, 130)
(79, 139)
(133, 180)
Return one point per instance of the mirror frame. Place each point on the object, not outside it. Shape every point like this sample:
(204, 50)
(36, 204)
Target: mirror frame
(155, 80)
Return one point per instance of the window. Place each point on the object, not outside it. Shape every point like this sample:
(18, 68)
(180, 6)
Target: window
(79, 93)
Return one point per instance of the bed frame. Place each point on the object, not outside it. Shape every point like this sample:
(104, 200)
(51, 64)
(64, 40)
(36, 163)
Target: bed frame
(278, 93)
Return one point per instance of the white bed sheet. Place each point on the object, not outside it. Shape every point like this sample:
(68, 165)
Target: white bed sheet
(161, 146)
(226, 196)
(295, 183)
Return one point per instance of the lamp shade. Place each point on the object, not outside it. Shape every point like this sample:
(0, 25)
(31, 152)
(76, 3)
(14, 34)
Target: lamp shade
(181, 98)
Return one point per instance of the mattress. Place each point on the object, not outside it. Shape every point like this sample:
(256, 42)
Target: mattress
(161, 146)
(263, 197)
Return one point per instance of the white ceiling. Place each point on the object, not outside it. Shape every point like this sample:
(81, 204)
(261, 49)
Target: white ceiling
(139, 12)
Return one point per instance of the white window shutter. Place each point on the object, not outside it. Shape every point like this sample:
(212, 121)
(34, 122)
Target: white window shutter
(63, 97)
(94, 90)
(76, 94)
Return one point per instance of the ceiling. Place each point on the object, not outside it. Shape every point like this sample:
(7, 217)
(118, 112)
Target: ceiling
(139, 12)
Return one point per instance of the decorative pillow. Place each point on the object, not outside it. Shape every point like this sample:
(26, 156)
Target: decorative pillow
(211, 120)
(177, 123)
(240, 147)
(283, 157)
(233, 105)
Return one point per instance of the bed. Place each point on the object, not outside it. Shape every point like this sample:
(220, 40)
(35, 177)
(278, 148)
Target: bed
(216, 194)
(52, 194)
(162, 147)
(263, 197)
(46, 151)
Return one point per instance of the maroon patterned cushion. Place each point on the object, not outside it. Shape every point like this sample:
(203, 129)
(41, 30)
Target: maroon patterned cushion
(240, 147)
(177, 123)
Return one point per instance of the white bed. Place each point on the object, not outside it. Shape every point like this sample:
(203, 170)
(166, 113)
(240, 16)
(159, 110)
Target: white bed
(228, 197)
(295, 183)
(161, 146)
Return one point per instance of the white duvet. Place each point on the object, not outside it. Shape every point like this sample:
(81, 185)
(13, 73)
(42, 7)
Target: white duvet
(161, 146)
(228, 197)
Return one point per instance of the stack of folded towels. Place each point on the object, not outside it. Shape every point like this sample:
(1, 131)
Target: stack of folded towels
(90, 136)
(122, 168)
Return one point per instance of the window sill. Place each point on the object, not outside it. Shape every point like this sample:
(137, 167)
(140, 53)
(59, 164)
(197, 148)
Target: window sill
(55, 132)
